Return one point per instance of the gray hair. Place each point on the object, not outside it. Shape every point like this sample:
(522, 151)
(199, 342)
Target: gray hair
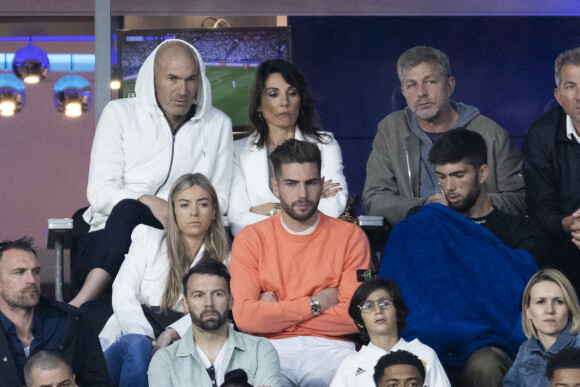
(46, 361)
(567, 57)
(423, 54)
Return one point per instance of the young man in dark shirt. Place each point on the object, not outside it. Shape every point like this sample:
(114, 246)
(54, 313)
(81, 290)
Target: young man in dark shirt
(460, 159)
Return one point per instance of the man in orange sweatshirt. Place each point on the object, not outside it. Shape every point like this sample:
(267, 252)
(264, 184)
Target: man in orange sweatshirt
(293, 274)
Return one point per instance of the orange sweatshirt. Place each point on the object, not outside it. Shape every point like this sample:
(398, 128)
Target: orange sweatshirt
(267, 258)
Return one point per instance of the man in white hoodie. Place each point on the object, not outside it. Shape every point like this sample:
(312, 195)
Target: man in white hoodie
(141, 146)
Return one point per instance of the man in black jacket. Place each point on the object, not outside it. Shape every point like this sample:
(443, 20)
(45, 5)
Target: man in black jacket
(551, 153)
(30, 323)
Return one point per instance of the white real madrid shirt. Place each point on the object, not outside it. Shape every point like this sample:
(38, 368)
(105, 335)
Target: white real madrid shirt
(358, 369)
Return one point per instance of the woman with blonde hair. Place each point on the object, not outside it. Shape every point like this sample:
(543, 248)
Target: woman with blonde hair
(551, 322)
(148, 287)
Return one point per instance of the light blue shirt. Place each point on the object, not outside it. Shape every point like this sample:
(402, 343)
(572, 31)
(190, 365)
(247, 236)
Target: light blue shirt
(180, 365)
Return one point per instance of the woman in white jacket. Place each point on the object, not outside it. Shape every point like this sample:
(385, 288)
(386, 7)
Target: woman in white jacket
(152, 272)
(281, 108)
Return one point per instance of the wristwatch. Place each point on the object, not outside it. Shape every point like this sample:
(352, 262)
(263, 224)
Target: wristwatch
(275, 209)
(314, 307)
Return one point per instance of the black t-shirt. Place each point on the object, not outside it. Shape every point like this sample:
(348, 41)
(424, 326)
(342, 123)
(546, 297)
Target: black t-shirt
(518, 232)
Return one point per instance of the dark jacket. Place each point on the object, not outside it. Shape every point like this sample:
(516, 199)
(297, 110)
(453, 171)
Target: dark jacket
(552, 174)
(79, 346)
(551, 170)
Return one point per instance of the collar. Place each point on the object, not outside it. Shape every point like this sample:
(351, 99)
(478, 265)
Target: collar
(398, 345)
(483, 219)
(187, 345)
(5, 322)
(252, 138)
(561, 342)
(309, 230)
(570, 130)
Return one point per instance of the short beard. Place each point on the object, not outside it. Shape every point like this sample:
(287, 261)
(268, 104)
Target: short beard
(209, 325)
(20, 302)
(469, 201)
(289, 210)
(429, 118)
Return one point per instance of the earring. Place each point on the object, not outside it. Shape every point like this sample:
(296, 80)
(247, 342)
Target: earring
(260, 116)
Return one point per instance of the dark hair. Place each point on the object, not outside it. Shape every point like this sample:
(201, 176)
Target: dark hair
(398, 358)
(207, 265)
(363, 292)
(565, 359)
(295, 151)
(307, 121)
(236, 378)
(24, 244)
(44, 360)
(457, 145)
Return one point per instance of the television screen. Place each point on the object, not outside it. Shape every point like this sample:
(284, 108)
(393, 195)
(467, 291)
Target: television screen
(231, 56)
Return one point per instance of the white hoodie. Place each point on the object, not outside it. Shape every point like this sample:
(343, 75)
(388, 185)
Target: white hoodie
(135, 153)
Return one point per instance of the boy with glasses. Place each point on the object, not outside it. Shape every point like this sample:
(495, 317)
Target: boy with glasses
(379, 312)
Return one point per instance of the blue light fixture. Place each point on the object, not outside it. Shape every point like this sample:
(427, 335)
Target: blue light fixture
(12, 93)
(30, 63)
(72, 95)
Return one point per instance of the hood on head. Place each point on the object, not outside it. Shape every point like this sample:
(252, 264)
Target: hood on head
(145, 85)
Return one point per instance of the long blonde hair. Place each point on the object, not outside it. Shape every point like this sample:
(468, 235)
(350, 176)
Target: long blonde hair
(216, 240)
(570, 297)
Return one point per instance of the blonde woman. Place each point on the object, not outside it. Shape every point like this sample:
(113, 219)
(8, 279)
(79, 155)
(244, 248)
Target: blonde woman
(151, 275)
(551, 322)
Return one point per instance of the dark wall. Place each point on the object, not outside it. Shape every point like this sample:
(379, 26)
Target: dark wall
(502, 65)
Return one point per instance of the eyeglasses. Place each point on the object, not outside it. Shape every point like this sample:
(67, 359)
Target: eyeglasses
(369, 305)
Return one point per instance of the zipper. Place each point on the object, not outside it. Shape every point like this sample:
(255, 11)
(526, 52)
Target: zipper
(409, 170)
(170, 164)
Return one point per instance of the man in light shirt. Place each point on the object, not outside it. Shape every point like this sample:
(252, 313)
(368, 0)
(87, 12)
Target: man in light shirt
(211, 347)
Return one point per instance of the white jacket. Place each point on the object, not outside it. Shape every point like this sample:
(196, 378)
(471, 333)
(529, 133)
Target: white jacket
(141, 280)
(250, 186)
(358, 369)
(134, 152)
